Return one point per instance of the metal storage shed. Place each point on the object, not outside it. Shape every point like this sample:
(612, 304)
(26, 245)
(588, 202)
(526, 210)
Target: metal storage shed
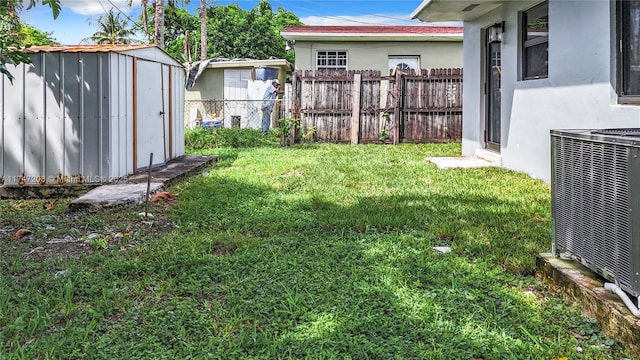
(90, 113)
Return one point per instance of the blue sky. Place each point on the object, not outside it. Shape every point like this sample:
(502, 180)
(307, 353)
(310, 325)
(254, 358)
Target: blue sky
(71, 26)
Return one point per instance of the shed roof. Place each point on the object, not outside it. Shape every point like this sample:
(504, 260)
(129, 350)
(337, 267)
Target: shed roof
(88, 48)
(373, 33)
(144, 51)
(248, 63)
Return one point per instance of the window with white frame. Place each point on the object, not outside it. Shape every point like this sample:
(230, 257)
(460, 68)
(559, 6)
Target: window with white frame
(404, 62)
(628, 64)
(326, 60)
(535, 42)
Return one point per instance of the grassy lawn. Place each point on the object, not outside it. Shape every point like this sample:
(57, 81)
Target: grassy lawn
(318, 251)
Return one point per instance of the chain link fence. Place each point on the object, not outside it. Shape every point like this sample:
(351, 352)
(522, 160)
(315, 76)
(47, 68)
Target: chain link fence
(245, 114)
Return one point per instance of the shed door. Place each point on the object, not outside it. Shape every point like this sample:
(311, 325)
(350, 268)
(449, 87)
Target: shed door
(152, 117)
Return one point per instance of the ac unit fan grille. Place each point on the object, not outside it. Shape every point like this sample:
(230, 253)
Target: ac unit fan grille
(591, 204)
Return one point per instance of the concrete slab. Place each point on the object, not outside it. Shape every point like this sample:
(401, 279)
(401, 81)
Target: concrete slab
(577, 284)
(115, 195)
(459, 162)
(134, 190)
(174, 170)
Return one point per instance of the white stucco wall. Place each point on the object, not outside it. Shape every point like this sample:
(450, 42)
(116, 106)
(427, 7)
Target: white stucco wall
(578, 93)
(375, 55)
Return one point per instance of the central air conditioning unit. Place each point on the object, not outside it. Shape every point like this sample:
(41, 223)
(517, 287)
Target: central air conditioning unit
(595, 189)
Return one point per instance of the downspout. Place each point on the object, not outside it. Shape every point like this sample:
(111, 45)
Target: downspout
(623, 296)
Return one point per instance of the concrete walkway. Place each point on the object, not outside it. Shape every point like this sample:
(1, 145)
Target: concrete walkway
(134, 190)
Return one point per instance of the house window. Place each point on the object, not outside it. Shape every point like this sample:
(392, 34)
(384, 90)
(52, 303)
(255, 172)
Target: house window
(326, 60)
(404, 62)
(628, 23)
(535, 42)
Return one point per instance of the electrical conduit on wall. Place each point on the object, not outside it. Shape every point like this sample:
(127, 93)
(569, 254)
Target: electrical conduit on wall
(618, 291)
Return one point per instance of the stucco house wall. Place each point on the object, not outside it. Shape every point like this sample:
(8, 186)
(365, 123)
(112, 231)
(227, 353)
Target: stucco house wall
(375, 55)
(579, 92)
(374, 47)
(210, 86)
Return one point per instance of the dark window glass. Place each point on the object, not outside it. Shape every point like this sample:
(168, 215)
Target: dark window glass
(535, 42)
(629, 56)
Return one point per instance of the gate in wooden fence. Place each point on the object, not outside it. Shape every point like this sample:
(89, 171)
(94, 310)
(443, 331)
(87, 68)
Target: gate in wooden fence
(366, 107)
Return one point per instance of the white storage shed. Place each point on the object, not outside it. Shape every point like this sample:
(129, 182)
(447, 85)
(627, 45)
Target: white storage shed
(90, 114)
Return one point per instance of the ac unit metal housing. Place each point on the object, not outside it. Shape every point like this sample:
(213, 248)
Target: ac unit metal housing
(595, 188)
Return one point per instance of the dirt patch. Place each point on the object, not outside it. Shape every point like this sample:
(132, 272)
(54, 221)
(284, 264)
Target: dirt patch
(63, 233)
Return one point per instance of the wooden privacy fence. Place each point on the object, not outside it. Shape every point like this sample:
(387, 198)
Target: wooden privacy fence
(365, 107)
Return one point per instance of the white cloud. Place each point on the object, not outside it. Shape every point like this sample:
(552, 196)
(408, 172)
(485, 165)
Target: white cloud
(97, 7)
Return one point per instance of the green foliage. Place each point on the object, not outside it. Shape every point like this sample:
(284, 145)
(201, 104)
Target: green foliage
(232, 32)
(288, 127)
(319, 252)
(200, 139)
(308, 135)
(10, 27)
(177, 23)
(384, 133)
(30, 36)
(112, 29)
(55, 5)
(237, 33)
(98, 243)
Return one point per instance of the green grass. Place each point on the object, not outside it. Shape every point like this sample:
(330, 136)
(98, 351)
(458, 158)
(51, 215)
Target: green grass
(317, 251)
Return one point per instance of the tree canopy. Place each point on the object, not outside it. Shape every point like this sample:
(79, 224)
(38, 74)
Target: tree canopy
(232, 32)
(112, 29)
(237, 33)
(11, 30)
(29, 36)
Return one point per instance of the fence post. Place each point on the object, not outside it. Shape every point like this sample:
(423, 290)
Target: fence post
(355, 115)
(396, 108)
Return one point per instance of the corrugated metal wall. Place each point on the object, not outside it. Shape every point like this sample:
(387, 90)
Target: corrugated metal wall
(178, 80)
(70, 116)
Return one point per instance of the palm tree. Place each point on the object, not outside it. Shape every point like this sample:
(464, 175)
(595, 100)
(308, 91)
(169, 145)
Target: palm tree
(158, 19)
(203, 29)
(145, 18)
(112, 29)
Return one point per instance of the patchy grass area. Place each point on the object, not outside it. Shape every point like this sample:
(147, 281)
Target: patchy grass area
(316, 251)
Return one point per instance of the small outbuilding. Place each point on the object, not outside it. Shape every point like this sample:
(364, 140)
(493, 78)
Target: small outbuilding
(90, 114)
(231, 89)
